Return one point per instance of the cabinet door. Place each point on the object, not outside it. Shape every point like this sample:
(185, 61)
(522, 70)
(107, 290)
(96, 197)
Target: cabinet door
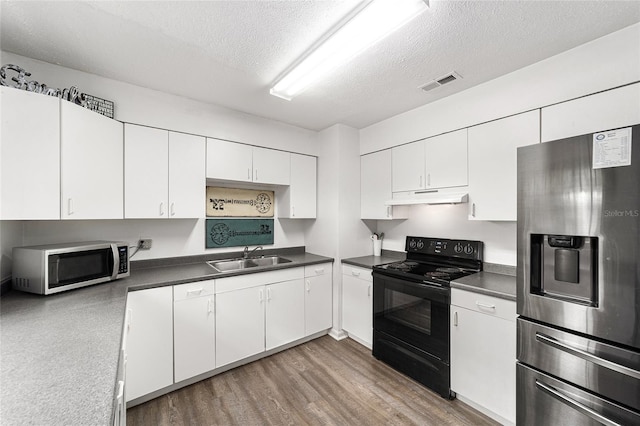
(92, 170)
(194, 336)
(318, 302)
(603, 111)
(375, 185)
(407, 166)
(446, 160)
(483, 360)
(493, 161)
(187, 182)
(271, 166)
(150, 341)
(357, 309)
(284, 313)
(29, 156)
(239, 324)
(229, 161)
(302, 190)
(146, 173)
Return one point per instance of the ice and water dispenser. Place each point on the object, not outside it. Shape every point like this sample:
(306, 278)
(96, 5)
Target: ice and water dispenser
(565, 267)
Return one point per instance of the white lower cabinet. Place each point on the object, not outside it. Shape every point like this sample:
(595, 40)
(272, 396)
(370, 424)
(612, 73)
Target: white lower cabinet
(483, 353)
(357, 304)
(258, 312)
(284, 312)
(193, 329)
(318, 298)
(239, 324)
(150, 341)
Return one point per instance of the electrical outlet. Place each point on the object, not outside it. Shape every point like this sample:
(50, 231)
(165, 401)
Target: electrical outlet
(145, 243)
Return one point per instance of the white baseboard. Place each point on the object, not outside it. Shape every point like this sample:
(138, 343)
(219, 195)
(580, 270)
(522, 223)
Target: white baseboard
(338, 334)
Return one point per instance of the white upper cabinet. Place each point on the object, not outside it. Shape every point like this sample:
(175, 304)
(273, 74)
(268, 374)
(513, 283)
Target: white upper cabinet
(146, 172)
(245, 163)
(271, 166)
(29, 156)
(299, 199)
(446, 160)
(493, 163)
(92, 166)
(164, 174)
(375, 187)
(603, 111)
(229, 161)
(187, 182)
(407, 165)
(433, 163)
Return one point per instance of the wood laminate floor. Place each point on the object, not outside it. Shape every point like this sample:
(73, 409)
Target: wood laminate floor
(322, 382)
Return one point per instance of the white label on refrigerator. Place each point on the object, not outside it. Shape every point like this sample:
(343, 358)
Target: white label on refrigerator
(612, 149)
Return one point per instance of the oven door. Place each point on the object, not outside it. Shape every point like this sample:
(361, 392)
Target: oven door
(414, 313)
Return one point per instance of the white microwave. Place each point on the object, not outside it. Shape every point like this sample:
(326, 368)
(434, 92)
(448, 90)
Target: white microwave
(53, 268)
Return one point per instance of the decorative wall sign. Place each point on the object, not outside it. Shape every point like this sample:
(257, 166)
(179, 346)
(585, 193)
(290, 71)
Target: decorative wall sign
(233, 202)
(71, 94)
(238, 232)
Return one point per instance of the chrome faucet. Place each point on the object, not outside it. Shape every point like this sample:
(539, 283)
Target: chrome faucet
(247, 253)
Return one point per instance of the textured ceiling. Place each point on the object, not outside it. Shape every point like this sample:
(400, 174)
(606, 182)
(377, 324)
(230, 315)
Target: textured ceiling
(229, 52)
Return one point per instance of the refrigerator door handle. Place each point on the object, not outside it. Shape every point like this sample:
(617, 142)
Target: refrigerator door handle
(576, 405)
(587, 356)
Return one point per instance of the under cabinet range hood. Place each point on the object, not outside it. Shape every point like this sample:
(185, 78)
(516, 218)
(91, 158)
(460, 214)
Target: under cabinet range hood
(428, 197)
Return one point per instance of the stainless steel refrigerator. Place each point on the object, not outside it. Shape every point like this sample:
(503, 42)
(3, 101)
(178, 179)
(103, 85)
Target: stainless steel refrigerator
(578, 280)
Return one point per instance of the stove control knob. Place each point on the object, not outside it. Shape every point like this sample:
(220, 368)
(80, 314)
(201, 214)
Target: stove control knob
(468, 249)
(457, 248)
(412, 244)
(420, 244)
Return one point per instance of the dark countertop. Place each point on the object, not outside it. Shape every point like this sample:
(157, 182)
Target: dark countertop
(489, 283)
(59, 353)
(369, 262)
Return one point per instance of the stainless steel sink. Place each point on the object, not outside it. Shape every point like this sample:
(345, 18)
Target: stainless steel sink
(227, 265)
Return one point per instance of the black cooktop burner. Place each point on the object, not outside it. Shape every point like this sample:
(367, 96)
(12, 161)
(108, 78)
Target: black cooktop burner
(436, 261)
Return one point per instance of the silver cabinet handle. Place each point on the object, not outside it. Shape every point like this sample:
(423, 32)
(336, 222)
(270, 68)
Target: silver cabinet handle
(70, 206)
(455, 318)
(429, 179)
(548, 340)
(268, 294)
(308, 285)
(195, 291)
(209, 308)
(576, 405)
(293, 211)
(261, 296)
(355, 273)
(256, 175)
(485, 306)
(319, 271)
(161, 209)
(388, 211)
(473, 209)
(369, 290)
(173, 209)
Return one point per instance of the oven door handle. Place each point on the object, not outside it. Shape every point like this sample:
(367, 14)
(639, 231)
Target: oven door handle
(548, 340)
(576, 405)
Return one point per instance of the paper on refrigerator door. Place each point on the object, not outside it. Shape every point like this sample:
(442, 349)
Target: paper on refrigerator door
(612, 148)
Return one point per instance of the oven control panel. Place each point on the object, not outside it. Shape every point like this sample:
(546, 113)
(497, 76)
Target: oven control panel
(467, 249)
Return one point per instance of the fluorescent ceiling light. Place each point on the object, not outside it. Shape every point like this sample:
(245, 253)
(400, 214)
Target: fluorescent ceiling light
(372, 23)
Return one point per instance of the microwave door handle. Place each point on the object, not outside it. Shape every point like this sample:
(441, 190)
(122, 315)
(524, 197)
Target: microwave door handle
(587, 356)
(116, 261)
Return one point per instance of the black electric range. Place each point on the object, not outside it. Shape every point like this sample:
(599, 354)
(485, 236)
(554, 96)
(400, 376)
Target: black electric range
(411, 307)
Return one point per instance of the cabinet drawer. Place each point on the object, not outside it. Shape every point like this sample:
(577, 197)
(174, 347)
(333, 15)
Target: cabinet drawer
(360, 273)
(259, 278)
(316, 270)
(489, 305)
(191, 290)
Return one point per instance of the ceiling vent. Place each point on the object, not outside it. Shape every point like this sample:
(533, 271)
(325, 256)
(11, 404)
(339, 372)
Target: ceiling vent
(434, 84)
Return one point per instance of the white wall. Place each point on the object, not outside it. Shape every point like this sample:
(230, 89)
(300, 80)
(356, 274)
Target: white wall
(338, 232)
(602, 64)
(149, 107)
